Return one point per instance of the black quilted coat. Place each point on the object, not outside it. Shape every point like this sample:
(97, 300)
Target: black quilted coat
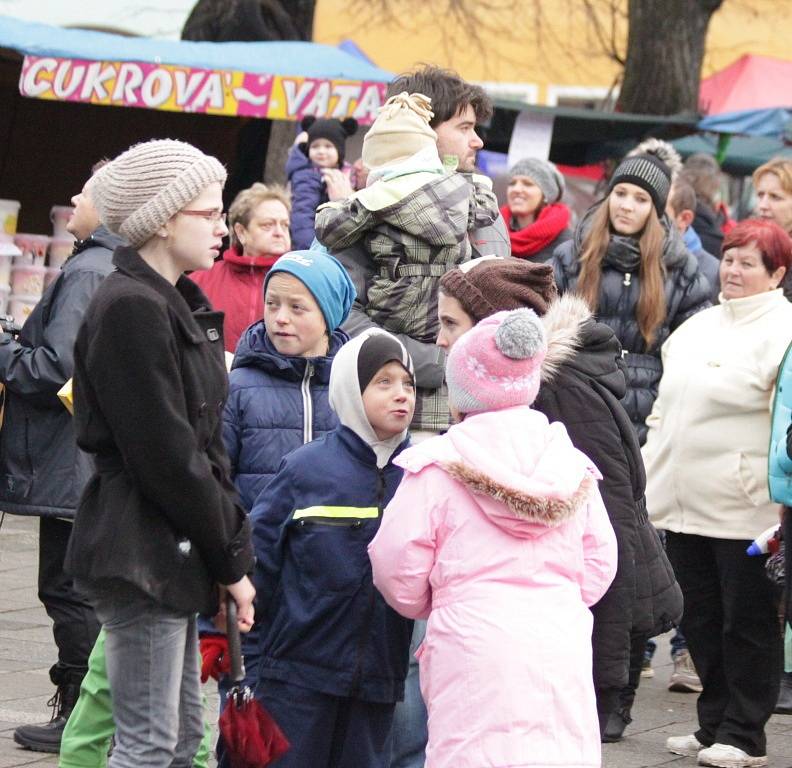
(687, 292)
(583, 385)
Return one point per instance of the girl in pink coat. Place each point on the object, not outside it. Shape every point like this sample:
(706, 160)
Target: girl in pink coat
(499, 536)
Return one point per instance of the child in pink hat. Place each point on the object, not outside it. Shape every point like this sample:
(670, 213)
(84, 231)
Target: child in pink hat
(499, 537)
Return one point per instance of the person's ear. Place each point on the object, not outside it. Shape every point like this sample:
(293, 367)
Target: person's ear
(238, 231)
(777, 277)
(685, 218)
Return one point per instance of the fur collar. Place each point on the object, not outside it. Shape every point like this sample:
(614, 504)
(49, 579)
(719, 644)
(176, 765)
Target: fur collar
(545, 511)
(563, 322)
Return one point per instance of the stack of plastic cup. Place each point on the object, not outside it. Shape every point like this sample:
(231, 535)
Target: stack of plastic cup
(62, 242)
(59, 216)
(9, 212)
(8, 251)
(27, 274)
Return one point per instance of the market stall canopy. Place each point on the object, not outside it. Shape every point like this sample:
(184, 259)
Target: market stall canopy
(751, 82)
(743, 155)
(751, 96)
(774, 122)
(274, 80)
(585, 136)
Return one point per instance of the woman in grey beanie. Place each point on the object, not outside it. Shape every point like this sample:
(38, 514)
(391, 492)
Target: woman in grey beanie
(537, 219)
(159, 527)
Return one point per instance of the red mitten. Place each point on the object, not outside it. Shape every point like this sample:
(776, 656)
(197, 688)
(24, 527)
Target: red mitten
(215, 659)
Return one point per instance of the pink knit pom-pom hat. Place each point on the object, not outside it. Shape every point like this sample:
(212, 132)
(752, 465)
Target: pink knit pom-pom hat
(497, 363)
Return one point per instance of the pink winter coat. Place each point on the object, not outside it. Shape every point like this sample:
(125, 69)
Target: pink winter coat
(498, 534)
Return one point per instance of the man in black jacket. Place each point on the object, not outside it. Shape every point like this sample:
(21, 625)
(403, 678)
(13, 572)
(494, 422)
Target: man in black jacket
(42, 472)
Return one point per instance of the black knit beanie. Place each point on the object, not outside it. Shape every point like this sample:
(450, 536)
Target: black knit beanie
(647, 172)
(377, 350)
(335, 131)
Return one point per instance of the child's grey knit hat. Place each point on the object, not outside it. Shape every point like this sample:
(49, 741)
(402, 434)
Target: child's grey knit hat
(142, 188)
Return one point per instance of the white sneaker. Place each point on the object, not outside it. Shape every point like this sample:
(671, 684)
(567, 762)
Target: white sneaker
(727, 756)
(689, 745)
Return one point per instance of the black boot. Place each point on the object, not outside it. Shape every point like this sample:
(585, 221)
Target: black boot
(784, 704)
(614, 728)
(47, 737)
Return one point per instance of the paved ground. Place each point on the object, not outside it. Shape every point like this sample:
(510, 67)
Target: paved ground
(27, 651)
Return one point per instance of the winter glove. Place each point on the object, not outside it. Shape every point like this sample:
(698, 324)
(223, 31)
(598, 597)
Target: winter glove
(215, 660)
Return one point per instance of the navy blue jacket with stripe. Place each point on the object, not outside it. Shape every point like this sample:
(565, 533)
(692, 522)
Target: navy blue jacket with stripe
(323, 624)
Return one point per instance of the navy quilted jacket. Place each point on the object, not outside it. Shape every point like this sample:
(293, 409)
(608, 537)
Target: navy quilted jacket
(275, 404)
(323, 625)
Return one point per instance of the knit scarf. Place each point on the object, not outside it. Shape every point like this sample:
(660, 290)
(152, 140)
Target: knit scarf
(623, 254)
(550, 223)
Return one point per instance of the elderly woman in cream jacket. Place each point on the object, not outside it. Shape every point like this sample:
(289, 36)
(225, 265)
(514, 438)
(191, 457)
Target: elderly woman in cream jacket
(706, 466)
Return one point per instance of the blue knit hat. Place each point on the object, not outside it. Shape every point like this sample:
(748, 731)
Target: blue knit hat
(326, 279)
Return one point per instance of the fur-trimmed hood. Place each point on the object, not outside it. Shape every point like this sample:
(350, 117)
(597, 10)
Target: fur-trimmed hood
(523, 472)
(575, 339)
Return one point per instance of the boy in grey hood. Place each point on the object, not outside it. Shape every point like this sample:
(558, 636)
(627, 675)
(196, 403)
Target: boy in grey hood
(355, 368)
(333, 653)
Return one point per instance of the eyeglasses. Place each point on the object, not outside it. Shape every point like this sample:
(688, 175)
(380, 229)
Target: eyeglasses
(212, 214)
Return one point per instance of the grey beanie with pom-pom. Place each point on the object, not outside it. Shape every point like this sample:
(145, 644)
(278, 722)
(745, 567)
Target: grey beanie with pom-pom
(497, 363)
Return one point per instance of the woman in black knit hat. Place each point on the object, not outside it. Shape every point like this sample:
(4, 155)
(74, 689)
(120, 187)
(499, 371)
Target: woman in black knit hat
(631, 267)
(633, 270)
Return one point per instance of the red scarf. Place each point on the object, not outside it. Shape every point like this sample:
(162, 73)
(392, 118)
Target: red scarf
(550, 223)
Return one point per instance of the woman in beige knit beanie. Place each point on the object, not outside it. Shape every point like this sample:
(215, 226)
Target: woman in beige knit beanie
(160, 527)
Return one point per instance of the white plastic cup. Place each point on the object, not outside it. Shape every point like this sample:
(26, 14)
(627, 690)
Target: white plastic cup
(59, 216)
(5, 292)
(8, 252)
(60, 249)
(33, 247)
(9, 215)
(20, 307)
(28, 280)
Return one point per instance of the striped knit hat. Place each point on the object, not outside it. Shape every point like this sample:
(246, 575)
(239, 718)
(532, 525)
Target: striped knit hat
(647, 172)
(145, 186)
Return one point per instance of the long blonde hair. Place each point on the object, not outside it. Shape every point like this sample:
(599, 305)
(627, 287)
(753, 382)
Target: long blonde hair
(651, 309)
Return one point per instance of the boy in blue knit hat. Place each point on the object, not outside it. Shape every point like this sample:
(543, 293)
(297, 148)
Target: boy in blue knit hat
(278, 389)
(333, 655)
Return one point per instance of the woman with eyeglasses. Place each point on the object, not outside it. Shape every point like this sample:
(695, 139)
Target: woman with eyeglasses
(159, 527)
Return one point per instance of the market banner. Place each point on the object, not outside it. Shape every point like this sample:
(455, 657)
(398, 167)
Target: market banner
(188, 89)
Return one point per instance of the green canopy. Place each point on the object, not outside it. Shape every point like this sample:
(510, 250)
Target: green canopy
(743, 154)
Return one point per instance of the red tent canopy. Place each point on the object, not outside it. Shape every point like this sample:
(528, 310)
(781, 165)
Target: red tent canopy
(750, 82)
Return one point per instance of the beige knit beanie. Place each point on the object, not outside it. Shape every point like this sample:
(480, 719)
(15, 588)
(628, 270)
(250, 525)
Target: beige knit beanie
(142, 188)
(400, 130)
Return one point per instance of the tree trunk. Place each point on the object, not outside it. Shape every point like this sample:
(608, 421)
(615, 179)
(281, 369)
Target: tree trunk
(665, 50)
(223, 21)
(263, 144)
(280, 140)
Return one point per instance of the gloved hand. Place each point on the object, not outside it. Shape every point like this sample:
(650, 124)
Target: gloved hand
(215, 660)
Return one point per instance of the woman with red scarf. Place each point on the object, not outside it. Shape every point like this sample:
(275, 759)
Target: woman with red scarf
(537, 220)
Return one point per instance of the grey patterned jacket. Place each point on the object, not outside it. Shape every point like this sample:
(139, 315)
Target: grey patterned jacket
(431, 408)
(412, 242)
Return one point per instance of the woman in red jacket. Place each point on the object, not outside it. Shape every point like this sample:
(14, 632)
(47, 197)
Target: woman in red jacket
(258, 222)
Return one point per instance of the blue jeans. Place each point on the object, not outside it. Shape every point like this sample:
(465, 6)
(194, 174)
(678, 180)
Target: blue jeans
(678, 645)
(154, 676)
(410, 732)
